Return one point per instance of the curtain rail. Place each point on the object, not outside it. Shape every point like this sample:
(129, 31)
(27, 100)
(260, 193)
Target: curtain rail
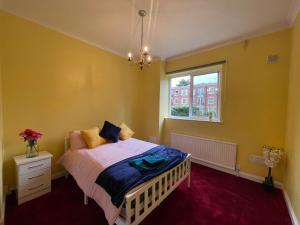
(196, 67)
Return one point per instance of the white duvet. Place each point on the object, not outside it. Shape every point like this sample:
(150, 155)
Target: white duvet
(86, 164)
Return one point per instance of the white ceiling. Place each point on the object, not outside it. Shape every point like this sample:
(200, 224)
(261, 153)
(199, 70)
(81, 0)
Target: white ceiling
(181, 25)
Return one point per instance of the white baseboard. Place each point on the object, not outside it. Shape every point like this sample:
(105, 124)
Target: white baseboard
(58, 174)
(242, 174)
(233, 172)
(290, 207)
(257, 179)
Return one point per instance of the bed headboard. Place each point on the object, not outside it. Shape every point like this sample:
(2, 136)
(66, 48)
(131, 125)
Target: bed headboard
(67, 143)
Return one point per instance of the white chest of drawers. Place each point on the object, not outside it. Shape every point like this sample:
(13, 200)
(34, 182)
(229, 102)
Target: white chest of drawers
(33, 176)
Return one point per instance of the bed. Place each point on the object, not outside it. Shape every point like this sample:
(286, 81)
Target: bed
(86, 164)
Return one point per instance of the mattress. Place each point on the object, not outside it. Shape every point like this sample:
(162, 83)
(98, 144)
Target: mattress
(86, 164)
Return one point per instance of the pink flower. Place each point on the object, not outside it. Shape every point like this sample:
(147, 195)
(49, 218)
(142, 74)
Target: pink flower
(31, 138)
(30, 135)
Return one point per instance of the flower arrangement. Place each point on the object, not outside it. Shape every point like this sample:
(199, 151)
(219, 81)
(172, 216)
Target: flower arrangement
(31, 137)
(272, 157)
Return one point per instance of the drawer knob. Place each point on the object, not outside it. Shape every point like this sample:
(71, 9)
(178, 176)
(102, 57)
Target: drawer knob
(31, 167)
(29, 178)
(30, 189)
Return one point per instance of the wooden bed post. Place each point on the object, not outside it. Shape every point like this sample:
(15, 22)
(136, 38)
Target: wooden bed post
(66, 145)
(189, 172)
(159, 187)
(86, 198)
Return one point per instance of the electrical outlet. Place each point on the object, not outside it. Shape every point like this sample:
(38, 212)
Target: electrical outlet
(256, 159)
(272, 59)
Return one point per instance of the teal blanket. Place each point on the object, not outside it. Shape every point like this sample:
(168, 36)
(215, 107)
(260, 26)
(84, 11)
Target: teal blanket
(148, 162)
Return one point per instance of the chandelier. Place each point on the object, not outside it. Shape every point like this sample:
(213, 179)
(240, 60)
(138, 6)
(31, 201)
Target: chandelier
(144, 58)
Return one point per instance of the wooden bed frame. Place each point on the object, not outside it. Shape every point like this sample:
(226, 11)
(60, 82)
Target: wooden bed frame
(138, 204)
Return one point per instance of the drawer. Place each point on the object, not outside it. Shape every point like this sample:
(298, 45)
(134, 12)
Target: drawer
(33, 166)
(33, 187)
(42, 175)
(34, 195)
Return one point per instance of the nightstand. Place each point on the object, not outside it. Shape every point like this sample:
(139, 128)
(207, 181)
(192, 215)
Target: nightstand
(33, 176)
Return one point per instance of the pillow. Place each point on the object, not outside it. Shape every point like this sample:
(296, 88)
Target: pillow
(126, 132)
(92, 138)
(76, 140)
(110, 132)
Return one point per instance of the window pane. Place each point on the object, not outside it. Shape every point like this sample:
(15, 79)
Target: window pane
(180, 94)
(205, 95)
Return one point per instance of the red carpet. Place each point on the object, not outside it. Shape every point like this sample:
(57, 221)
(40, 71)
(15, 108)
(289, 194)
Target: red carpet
(215, 198)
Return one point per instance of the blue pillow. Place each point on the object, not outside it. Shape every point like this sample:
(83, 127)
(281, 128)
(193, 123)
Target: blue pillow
(110, 132)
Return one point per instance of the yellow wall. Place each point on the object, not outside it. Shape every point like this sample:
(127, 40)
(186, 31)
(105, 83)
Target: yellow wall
(292, 181)
(149, 98)
(254, 98)
(163, 101)
(54, 84)
(1, 123)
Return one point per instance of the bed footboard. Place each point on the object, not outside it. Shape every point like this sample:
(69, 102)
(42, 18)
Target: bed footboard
(144, 200)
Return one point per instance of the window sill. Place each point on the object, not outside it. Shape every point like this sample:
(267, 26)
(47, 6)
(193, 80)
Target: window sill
(192, 119)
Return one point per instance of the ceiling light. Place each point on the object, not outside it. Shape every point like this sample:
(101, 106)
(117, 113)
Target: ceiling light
(143, 58)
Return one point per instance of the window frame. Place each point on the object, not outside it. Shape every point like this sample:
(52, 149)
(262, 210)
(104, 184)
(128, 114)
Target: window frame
(193, 73)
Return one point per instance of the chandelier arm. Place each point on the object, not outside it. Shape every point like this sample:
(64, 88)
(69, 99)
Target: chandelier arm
(142, 33)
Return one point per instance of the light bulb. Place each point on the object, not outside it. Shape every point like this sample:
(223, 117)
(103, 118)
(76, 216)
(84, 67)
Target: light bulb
(149, 58)
(145, 49)
(129, 55)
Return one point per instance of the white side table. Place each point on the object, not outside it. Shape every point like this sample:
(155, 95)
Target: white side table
(33, 176)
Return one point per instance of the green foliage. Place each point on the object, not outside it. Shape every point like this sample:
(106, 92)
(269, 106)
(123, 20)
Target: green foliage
(180, 111)
(183, 82)
(184, 111)
(197, 112)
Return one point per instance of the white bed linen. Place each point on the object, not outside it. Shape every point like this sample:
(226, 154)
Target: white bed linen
(86, 164)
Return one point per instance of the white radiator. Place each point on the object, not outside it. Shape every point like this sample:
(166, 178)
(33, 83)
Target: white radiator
(212, 152)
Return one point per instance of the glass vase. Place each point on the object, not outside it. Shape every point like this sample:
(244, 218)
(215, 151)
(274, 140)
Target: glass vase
(32, 150)
(268, 183)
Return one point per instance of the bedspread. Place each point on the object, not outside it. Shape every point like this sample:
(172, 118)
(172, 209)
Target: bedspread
(86, 164)
(121, 177)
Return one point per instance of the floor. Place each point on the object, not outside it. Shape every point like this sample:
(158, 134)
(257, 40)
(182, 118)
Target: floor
(215, 198)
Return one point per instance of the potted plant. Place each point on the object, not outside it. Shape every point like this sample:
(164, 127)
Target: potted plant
(272, 157)
(31, 137)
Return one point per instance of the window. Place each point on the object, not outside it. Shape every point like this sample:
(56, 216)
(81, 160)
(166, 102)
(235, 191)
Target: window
(184, 101)
(176, 92)
(184, 92)
(205, 86)
(211, 90)
(211, 100)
